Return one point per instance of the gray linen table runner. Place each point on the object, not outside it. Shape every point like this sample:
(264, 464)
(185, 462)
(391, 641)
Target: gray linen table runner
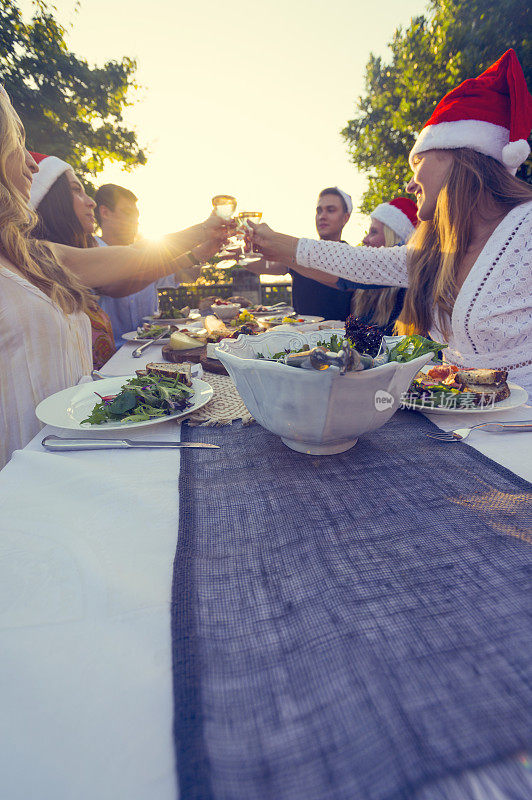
(350, 626)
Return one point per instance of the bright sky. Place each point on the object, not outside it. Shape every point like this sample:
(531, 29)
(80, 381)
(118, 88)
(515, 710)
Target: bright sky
(244, 98)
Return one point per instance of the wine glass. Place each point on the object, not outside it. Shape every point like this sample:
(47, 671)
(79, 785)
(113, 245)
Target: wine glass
(224, 206)
(248, 256)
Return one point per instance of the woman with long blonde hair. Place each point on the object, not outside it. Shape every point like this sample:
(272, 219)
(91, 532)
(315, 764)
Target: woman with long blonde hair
(66, 216)
(392, 225)
(468, 266)
(45, 340)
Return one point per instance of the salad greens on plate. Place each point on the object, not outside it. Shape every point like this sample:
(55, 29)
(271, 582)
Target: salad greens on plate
(141, 399)
(151, 331)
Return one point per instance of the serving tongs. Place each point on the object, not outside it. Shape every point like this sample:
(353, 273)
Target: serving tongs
(139, 350)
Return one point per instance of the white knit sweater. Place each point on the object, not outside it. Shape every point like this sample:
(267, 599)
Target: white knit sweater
(491, 324)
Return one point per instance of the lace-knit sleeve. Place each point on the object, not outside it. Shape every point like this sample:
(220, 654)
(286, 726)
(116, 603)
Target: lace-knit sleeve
(385, 266)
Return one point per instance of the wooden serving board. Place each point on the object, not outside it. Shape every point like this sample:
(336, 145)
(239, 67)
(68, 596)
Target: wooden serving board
(212, 365)
(178, 356)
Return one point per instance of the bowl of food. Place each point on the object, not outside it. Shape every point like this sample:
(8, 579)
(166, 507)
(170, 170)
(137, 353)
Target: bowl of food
(317, 410)
(225, 310)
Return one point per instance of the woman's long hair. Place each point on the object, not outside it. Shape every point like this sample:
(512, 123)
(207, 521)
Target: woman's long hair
(379, 302)
(57, 218)
(438, 247)
(33, 259)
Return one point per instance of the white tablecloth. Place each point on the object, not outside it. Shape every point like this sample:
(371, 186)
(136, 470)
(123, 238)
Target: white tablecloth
(123, 363)
(511, 450)
(86, 550)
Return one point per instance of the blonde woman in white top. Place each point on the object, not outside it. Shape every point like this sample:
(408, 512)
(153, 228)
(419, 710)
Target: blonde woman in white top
(468, 266)
(45, 338)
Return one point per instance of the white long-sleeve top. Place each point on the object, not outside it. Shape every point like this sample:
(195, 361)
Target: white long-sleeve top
(42, 350)
(491, 323)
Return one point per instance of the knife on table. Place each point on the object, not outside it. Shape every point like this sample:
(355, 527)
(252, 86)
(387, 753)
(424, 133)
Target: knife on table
(61, 443)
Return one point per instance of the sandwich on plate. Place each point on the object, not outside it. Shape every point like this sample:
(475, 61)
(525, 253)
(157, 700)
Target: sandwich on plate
(470, 387)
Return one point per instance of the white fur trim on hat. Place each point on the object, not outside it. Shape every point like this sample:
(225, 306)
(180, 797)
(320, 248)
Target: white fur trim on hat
(50, 168)
(347, 199)
(485, 137)
(394, 219)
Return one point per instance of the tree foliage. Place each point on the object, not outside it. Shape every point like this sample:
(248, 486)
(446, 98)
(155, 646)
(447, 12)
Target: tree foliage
(69, 109)
(455, 40)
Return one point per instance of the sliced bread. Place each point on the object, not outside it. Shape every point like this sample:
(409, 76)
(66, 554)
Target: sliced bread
(172, 371)
(487, 393)
(483, 377)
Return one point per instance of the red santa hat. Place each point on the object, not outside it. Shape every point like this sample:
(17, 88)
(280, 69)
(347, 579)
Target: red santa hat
(491, 114)
(400, 215)
(50, 168)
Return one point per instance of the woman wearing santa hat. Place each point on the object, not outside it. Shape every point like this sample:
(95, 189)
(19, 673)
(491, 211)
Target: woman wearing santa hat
(392, 225)
(468, 266)
(45, 339)
(66, 216)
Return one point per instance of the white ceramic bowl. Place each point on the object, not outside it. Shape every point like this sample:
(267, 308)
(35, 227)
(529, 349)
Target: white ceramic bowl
(317, 412)
(227, 312)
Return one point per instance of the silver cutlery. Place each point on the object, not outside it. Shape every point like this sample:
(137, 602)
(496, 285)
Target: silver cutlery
(97, 376)
(139, 350)
(62, 443)
(460, 434)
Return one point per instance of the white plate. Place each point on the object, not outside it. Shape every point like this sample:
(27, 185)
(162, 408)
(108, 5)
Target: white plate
(67, 408)
(518, 397)
(132, 336)
(194, 315)
(164, 321)
(274, 313)
(302, 320)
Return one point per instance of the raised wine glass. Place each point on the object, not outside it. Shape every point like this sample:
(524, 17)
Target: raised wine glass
(224, 206)
(248, 256)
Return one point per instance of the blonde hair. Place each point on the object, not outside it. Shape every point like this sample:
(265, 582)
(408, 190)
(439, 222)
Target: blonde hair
(34, 260)
(437, 247)
(380, 302)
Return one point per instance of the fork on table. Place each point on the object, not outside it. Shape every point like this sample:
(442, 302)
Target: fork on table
(460, 434)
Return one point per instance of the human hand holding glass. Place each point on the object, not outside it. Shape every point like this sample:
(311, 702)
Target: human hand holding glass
(274, 246)
(244, 219)
(224, 206)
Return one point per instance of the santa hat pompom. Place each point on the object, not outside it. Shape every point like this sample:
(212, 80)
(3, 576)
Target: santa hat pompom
(515, 153)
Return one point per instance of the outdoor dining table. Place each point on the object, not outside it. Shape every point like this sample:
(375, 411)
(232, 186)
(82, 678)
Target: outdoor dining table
(87, 549)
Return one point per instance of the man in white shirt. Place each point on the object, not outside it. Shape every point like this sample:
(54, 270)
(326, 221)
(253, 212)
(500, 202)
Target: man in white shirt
(118, 217)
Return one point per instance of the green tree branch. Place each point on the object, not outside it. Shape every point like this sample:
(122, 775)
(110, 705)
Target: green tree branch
(455, 40)
(69, 109)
